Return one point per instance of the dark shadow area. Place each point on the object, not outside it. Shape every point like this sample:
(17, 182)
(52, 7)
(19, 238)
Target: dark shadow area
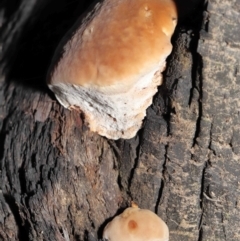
(23, 226)
(186, 8)
(27, 53)
(9, 6)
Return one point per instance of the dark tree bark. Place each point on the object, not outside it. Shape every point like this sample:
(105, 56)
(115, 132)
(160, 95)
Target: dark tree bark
(61, 182)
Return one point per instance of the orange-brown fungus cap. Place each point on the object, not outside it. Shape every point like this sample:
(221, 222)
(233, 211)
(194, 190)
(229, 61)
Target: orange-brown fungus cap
(109, 65)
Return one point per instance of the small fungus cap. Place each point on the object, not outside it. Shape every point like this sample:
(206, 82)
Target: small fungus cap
(136, 224)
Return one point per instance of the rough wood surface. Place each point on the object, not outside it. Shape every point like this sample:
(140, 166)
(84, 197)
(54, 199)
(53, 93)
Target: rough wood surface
(59, 181)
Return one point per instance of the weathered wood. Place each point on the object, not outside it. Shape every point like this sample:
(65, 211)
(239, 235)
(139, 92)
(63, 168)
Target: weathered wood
(59, 181)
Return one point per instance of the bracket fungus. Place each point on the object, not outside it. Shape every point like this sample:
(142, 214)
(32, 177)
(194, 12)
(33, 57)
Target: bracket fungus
(109, 64)
(136, 224)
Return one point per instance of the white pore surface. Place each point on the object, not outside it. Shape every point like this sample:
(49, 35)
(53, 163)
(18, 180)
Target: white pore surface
(112, 115)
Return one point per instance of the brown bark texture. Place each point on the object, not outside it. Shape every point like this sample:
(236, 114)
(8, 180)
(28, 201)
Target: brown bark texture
(61, 182)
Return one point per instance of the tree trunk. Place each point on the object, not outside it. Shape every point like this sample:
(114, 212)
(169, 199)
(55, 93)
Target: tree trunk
(61, 182)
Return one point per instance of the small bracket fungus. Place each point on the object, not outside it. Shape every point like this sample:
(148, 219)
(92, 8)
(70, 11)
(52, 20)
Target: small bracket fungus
(109, 65)
(136, 224)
